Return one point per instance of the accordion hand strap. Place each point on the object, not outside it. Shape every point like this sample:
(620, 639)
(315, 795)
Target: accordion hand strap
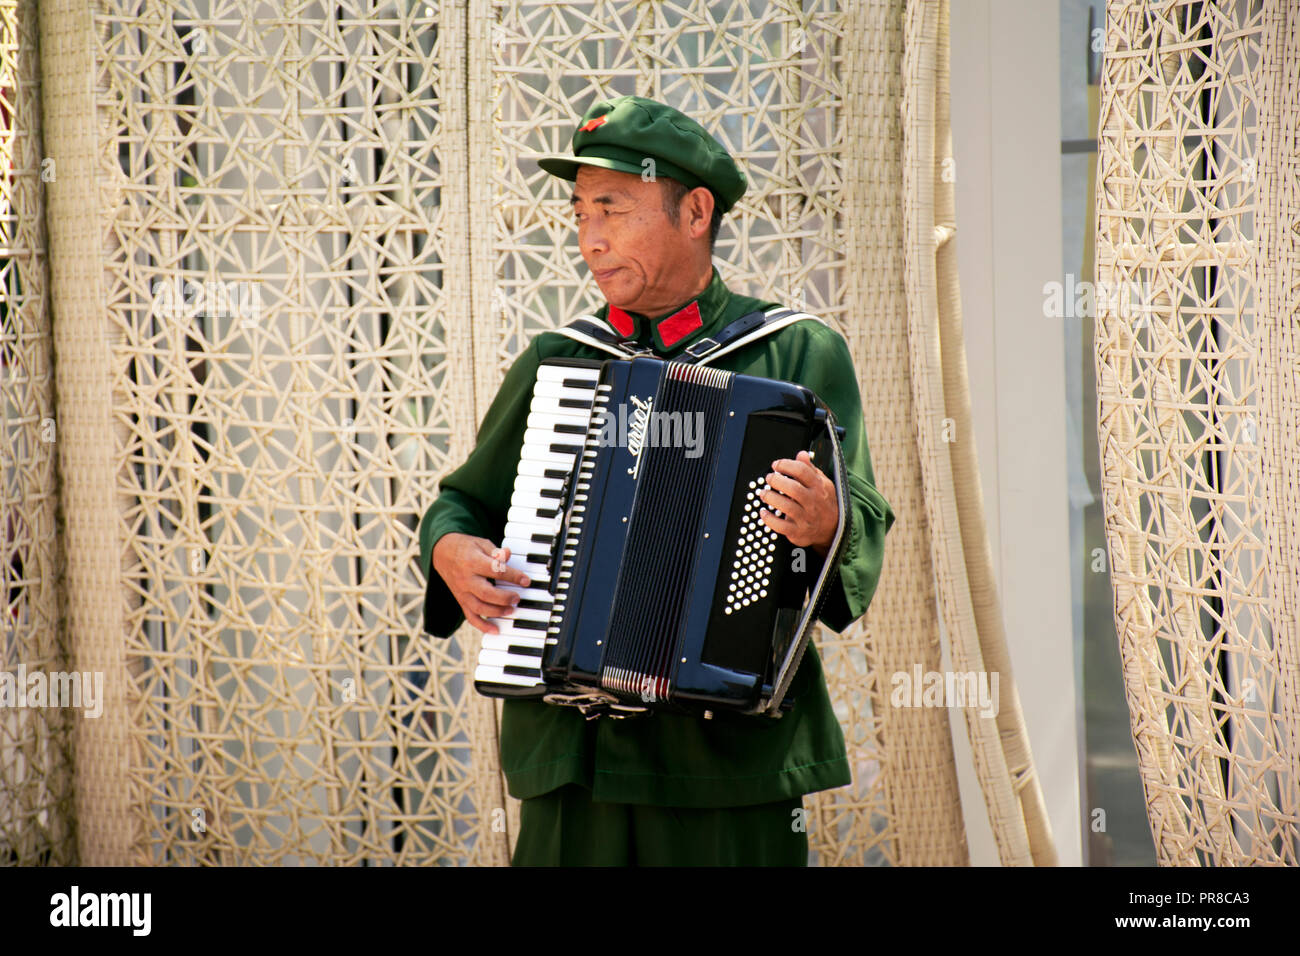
(830, 568)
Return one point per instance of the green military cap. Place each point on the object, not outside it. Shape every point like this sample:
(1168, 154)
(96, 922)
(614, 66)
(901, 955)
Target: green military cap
(622, 133)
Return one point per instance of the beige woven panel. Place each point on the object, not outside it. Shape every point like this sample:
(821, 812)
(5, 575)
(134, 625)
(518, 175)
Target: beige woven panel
(922, 805)
(287, 316)
(35, 772)
(1208, 643)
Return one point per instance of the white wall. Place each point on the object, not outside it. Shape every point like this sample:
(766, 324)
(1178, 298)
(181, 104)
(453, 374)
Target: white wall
(1006, 146)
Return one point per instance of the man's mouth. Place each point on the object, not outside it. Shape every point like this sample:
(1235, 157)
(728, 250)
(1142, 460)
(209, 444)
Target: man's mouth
(602, 276)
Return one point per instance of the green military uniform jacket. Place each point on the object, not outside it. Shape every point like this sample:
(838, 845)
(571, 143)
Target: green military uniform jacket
(669, 759)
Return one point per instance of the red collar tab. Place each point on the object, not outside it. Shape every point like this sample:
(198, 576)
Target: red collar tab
(621, 321)
(670, 330)
(679, 325)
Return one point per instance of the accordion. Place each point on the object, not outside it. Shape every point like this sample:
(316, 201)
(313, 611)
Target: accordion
(654, 582)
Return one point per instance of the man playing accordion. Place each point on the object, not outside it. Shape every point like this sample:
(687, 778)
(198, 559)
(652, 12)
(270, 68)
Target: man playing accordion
(650, 187)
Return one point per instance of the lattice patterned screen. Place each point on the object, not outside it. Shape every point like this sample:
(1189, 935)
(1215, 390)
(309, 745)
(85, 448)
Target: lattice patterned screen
(292, 256)
(280, 370)
(35, 772)
(1179, 374)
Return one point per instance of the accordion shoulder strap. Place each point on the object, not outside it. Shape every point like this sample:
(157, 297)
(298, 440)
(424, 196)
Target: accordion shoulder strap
(589, 330)
(745, 330)
(830, 570)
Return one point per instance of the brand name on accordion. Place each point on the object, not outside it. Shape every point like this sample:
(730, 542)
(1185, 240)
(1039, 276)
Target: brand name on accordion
(642, 427)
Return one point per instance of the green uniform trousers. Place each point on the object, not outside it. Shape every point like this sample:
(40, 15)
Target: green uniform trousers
(565, 827)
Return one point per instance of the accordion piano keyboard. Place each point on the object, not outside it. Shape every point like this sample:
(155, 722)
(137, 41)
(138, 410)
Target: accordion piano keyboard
(557, 424)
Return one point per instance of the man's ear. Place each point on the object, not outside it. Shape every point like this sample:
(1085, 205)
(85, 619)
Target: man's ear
(701, 211)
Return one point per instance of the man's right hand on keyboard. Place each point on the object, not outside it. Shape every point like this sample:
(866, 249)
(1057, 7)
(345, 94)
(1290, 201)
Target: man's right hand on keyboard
(468, 565)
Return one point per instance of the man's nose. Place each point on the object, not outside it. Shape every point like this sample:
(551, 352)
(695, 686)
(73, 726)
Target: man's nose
(591, 239)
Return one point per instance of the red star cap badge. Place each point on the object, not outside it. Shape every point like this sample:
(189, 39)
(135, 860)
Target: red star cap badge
(592, 123)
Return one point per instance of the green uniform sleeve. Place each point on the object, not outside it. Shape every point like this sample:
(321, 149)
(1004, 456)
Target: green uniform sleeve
(475, 498)
(828, 371)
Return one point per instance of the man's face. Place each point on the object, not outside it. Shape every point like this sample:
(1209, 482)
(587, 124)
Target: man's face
(641, 262)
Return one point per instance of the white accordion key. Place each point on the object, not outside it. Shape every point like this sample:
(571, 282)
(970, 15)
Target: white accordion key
(574, 423)
(519, 563)
(531, 594)
(526, 548)
(507, 627)
(552, 394)
(495, 658)
(503, 642)
(541, 501)
(537, 524)
(547, 500)
(554, 459)
(540, 469)
(529, 614)
(542, 439)
(568, 373)
(523, 538)
(529, 534)
(492, 674)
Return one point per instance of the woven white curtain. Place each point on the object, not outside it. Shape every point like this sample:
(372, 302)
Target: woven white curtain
(1197, 209)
